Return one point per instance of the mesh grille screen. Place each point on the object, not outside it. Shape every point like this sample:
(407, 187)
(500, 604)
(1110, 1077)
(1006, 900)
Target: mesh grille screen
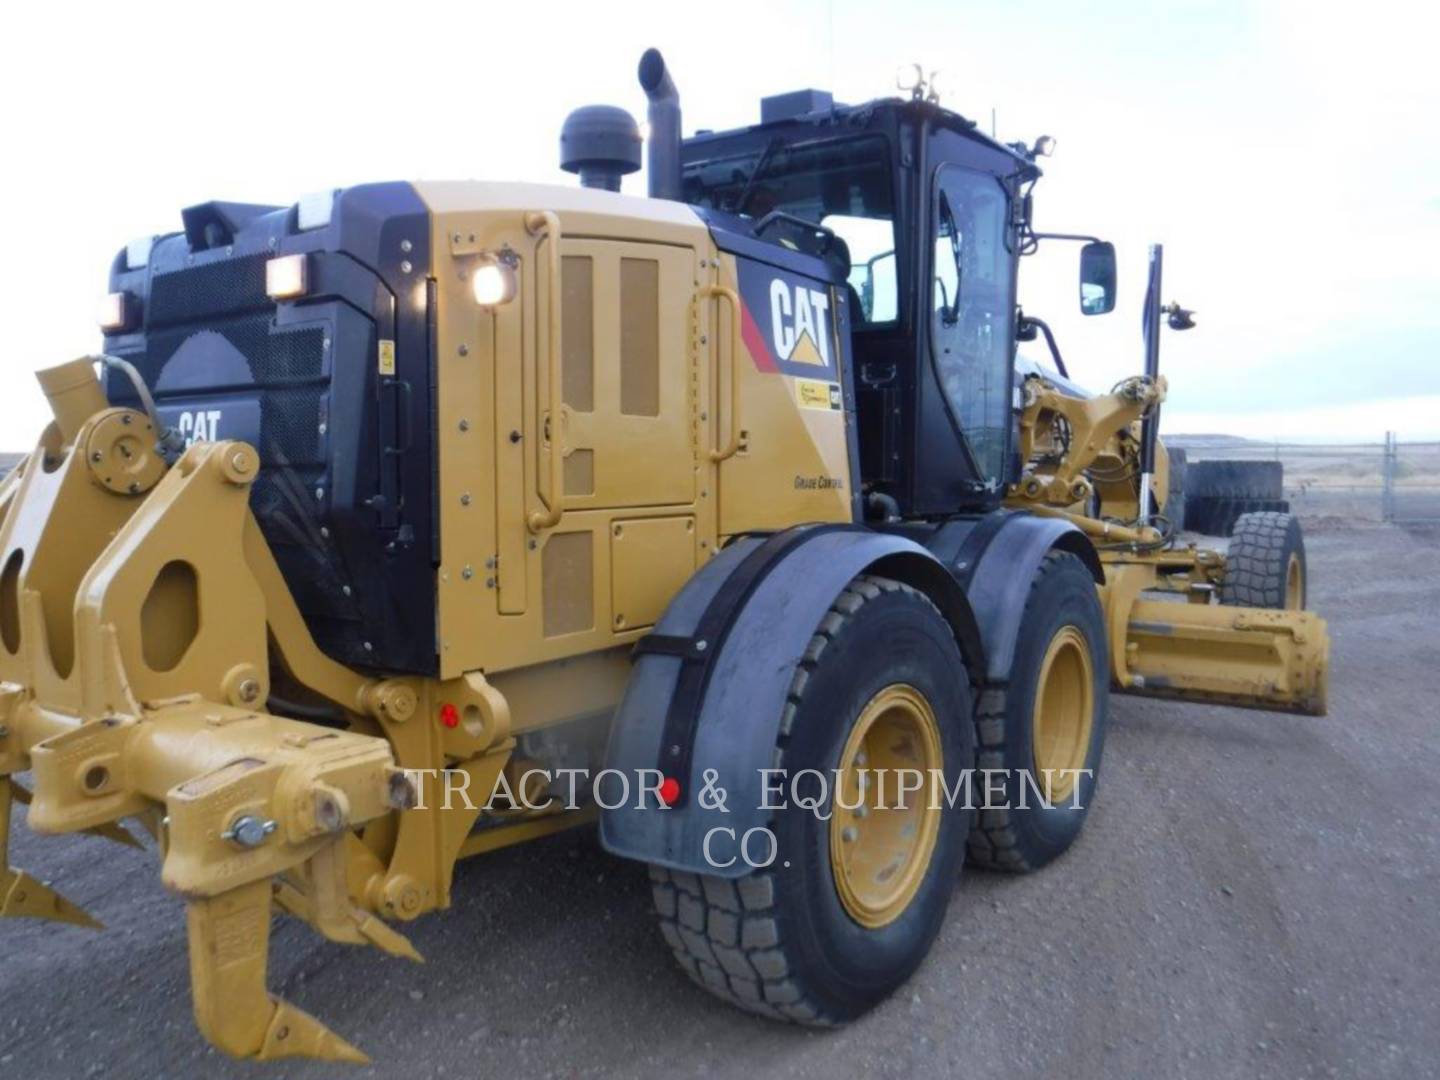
(218, 289)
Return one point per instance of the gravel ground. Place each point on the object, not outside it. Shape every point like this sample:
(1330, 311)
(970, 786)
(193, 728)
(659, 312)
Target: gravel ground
(1254, 895)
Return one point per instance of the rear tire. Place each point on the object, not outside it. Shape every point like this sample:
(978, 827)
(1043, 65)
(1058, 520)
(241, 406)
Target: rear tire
(1062, 624)
(1265, 564)
(791, 941)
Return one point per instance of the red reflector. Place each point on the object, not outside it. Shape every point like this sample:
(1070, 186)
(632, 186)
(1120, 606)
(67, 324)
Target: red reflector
(669, 790)
(449, 715)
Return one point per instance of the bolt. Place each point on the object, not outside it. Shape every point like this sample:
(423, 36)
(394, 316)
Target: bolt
(134, 488)
(97, 456)
(464, 349)
(514, 436)
(319, 493)
(369, 647)
(465, 499)
(467, 573)
(322, 428)
(345, 589)
(248, 831)
(849, 834)
(328, 814)
(405, 245)
(465, 426)
(701, 645)
(324, 533)
(248, 690)
(125, 419)
(403, 794)
(405, 267)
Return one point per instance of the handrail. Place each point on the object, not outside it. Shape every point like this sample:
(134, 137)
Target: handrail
(543, 224)
(732, 447)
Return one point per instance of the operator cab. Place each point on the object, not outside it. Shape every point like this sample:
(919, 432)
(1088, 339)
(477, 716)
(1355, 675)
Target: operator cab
(921, 219)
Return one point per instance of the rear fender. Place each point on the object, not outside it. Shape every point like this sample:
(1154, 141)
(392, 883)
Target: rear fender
(704, 700)
(995, 558)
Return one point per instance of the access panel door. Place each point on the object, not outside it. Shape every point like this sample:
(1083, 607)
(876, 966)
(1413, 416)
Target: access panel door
(626, 424)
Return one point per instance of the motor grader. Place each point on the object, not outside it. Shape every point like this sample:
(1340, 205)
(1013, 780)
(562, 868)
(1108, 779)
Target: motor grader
(491, 481)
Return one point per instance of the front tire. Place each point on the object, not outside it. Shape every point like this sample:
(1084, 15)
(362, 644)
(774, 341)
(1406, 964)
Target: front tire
(1050, 715)
(850, 906)
(1265, 563)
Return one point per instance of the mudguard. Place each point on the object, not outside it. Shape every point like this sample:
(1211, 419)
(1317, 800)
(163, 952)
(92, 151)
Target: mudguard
(708, 687)
(995, 558)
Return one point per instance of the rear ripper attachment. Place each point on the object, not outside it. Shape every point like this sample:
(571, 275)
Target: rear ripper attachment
(137, 604)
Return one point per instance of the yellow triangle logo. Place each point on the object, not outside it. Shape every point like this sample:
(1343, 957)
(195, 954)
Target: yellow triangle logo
(805, 351)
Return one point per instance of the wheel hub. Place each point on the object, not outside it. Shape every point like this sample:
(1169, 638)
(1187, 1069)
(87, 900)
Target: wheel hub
(1064, 713)
(881, 844)
(1294, 584)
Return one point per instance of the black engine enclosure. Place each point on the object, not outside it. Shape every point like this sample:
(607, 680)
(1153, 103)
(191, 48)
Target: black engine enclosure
(345, 492)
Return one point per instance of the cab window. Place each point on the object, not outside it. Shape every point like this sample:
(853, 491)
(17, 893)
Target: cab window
(842, 185)
(972, 310)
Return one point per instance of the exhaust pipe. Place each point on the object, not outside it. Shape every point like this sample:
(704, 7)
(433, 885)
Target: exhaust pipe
(662, 159)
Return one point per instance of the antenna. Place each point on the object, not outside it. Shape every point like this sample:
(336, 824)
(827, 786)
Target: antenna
(992, 121)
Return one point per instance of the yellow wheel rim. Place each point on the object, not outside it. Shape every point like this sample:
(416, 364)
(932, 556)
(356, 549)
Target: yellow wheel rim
(880, 843)
(1064, 713)
(1294, 585)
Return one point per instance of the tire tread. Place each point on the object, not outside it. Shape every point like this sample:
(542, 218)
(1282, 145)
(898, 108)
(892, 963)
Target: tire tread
(725, 933)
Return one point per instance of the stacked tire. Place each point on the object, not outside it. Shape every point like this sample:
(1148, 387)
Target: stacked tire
(1219, 493)
(1174, 508)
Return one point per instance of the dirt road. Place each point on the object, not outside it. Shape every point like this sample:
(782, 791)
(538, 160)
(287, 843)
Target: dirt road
(1254, 895)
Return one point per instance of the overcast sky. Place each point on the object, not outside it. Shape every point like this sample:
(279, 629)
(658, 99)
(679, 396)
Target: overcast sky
(1286, 154)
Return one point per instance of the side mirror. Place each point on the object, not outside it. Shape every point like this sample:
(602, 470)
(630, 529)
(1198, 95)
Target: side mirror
(1097, 278)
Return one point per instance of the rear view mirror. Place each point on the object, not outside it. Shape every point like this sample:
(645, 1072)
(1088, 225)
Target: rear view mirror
(1097, 278)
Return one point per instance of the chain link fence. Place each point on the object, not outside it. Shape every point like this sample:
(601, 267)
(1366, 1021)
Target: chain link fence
(1383, 481)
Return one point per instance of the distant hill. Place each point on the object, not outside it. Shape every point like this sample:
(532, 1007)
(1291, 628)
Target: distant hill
(1210, 441)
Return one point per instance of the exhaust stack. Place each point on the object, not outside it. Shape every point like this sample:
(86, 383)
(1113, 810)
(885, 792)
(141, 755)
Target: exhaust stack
(663, 151)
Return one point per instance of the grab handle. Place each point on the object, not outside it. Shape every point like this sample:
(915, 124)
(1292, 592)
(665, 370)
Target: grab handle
(544, 225)
(732, 445)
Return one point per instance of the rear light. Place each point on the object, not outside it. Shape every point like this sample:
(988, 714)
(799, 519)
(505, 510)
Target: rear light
(287, 277)
(118, 313)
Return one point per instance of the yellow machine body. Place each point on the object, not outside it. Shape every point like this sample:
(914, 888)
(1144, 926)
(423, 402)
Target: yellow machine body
(599, 440)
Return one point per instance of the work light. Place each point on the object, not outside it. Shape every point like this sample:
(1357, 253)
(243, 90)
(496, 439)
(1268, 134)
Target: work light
(287, 277)
(117, 312)
(493, 282)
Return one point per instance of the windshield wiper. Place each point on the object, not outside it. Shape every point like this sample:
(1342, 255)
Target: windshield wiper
(738, 206)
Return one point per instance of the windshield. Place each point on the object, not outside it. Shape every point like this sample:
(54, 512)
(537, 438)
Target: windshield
(842, 185)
